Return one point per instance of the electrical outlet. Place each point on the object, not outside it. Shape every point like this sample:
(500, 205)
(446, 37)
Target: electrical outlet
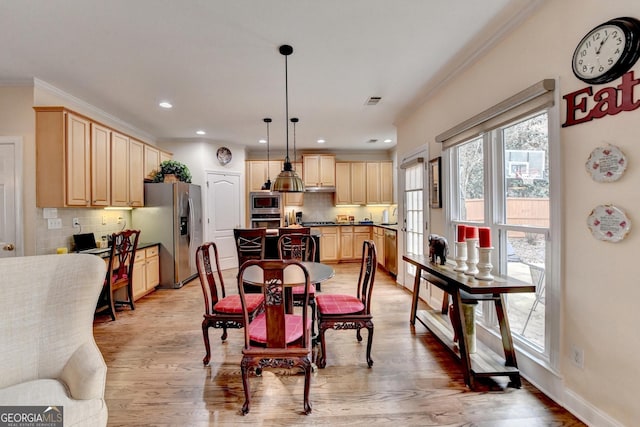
(120, 220)
(104, 220)
(54, 223)
(75, 222)
(577, 356)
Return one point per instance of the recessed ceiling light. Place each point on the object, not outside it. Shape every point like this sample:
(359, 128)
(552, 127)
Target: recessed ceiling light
(262, 141)
(321, 141)
(166, 104)
(201, 132)
(387, 141)
(372, 141)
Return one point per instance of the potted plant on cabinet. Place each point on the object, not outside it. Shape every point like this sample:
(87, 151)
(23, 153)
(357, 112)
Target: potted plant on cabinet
(172, 171)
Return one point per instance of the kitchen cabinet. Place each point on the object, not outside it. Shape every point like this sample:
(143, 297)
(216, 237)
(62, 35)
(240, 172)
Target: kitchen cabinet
(319, 170)
(379, 182)
(329, 245)
(346, 243)
(360, 234)
(350, 183)
(294, 199)
(127, 174)
(63, 158)
(146, 271)
(151, 161)
(378, 239)
(259, 170)
(100, 165)
(165, 156)
(351, 240)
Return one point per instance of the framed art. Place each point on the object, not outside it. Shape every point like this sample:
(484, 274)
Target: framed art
(435, 178)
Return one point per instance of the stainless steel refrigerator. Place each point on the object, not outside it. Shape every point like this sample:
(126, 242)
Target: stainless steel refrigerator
(172, 216)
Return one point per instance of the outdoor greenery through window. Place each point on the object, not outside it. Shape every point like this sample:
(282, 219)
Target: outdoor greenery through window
(501, 180)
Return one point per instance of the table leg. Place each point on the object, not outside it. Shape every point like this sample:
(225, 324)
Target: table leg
(416, 292)
(507, 340)
(463, 339)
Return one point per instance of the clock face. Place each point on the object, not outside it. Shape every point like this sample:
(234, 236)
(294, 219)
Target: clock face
(224, 155)
(607, 51)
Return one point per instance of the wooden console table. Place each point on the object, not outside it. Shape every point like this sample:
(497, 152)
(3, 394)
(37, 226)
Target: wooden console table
(463, 288)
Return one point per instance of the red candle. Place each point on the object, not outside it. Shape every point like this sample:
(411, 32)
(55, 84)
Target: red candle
(471, 232)
(461, 232)
(485, 237)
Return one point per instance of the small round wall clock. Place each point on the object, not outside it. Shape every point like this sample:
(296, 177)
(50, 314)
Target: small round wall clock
(224, 155)
(607, 51)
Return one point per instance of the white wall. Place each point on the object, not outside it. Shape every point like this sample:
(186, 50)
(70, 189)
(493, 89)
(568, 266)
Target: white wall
(599, 285)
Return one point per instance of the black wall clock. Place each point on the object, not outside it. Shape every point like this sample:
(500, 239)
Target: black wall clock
(607, 51)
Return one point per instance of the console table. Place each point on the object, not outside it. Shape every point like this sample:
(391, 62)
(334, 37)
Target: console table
(463, 288)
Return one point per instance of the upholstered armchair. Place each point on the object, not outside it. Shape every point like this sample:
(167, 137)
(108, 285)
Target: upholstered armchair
(49, 356)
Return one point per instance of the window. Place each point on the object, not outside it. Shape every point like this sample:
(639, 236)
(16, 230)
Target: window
(499, 168)
(414, 210)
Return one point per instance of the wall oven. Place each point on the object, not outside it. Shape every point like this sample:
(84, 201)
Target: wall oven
(266, 209)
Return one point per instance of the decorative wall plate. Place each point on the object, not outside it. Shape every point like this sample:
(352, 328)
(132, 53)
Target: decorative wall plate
(608, 223)
(606, 164)
(224, 155)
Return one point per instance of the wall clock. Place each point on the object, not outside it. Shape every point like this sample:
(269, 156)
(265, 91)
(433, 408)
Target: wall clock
(224, 155)
(607, 51)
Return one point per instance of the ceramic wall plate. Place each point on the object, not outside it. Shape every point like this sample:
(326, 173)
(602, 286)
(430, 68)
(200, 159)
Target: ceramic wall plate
(606, 164)
(224, 155)
(608, 223)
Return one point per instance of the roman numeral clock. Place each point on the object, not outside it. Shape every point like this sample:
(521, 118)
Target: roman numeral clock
(607, 51)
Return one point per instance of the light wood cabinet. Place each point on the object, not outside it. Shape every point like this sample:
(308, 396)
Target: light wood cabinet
(259, 170)
(127, 174)
(360, 234)
(351, 240)
(350, 183)
(378, 239)
(151, 161)
(146, 271)
(346, 243)
(63, 158)
(379, 182)
(319, 170)
(100, 165)
(329, 245)
(294, 199)
(165, 156)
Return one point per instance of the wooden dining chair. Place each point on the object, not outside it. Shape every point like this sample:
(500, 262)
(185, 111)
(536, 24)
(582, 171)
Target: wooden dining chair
(250, 244)
(119, 272)
(275, 338)
(336, 311)
(220, 310)
(300, 247)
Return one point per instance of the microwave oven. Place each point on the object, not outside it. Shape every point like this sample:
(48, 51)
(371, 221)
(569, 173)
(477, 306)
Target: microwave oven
(265, 202)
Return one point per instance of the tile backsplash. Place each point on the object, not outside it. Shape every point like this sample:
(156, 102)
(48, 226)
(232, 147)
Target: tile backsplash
(100, 222)
(319, 207)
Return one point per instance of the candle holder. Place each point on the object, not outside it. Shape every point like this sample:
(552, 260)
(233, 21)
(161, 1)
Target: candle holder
(472, 257)
(461, 257)
(484, 264)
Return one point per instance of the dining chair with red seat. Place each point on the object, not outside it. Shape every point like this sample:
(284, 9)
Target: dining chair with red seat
(300, 247)
(220, 310)
(275, 338)
(119, 272)
(250, 244)
(337, 311)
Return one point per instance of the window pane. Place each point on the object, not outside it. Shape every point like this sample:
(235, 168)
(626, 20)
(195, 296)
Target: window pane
(526, 161)
(471, 181)
(526, 264)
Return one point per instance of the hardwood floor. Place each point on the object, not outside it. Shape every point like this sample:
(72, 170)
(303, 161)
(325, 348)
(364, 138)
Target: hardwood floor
(156, 377)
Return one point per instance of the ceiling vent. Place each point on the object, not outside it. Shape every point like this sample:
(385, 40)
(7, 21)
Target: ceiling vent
(373, 100)
(372, 141)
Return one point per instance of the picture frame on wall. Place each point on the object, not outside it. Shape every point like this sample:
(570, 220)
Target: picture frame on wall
(435, 181)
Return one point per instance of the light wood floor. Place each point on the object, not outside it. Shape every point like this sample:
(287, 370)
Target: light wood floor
(156, 377)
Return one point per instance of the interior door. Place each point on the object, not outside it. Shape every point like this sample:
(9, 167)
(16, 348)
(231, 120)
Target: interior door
(223, 214)
(10, 160)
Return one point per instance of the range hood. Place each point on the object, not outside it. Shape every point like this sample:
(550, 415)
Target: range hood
(310, 189)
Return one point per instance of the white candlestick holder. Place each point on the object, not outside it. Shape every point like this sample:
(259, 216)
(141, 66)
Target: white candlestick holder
(461, 257)
(484, 264)
(472, 257)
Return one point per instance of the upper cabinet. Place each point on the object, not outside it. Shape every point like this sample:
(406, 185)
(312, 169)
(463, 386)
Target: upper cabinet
(379, 182)
(319, 170)
(80, 162)
(259, 170)
(152, 159)
(350, 183)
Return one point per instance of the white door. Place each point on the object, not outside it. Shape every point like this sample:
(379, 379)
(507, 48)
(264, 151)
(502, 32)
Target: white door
(223, 215)
(10, 164)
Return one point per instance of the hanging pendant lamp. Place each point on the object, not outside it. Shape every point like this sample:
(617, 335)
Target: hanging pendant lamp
(294, 120)
(267, 185)
(288, 180)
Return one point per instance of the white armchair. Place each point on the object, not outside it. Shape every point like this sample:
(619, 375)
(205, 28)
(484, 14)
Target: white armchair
(48, 355)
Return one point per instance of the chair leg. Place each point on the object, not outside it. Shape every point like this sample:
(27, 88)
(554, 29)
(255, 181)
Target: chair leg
(369, 343)
(358, 334)
(321, 360)
(207, 346)
(307, 384)
(312, 303)
(224, 333)
(244, 368)
(111, 303)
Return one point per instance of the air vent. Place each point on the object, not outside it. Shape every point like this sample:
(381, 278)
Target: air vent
(373, 100)
(372, 141)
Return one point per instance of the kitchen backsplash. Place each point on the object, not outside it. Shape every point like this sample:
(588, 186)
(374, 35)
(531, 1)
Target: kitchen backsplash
(319, 207)
(100, 222)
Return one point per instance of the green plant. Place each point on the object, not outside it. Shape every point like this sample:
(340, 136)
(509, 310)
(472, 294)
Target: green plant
(173, 167)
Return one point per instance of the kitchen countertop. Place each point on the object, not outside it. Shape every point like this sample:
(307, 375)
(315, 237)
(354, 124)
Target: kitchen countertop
(104, 252)
(355, 224)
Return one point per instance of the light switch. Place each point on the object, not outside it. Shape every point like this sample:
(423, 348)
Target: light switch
(54, 223)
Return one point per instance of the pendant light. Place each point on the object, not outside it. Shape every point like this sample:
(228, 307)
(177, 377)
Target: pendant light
(267, 185)
(288, 180)
(294, 120)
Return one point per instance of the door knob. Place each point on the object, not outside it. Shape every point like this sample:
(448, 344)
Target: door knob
(8, 247)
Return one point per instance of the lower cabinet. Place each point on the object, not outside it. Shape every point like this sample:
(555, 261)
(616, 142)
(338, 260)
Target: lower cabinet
(329, 244)
(378, 239)
(146, 271)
